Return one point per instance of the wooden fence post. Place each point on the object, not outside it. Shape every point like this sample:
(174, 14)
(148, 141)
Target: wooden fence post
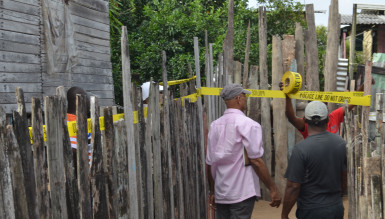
(7, 208)
(82, 157)
(99, 188)
(121, 168)
(237, 74)
(331, 59)
(254, 104)
(23, 139)
(175, 133)
(228, 45)
(40, 159)
(126, 71)
(16, 173)
(110, 168)
(312, 76)
(350, 161)
(265, 102)
(247, 54)
(55, 156)
(201, 184)
(72, 192)
(279, 118)
(167, 144)
(366, 205)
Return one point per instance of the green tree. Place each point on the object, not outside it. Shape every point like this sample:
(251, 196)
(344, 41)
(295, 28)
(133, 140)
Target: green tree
(322, 36)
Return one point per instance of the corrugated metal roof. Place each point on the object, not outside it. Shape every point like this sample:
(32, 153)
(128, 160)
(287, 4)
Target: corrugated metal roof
(363, 19)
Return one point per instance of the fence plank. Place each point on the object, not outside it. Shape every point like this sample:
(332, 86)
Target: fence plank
(366, 209)
(279, 118)
(55, 157)
(40, 159)
(121, 169)
(312, 76)
(247, 54)
(82, 157)
(109, 152)
(265, 102)
(7, 208)
(228, 45)
(156, 147)
(22, 136)
(254, 104)
(129, 125)
(166, 150)
(99, 187)
(72, 194)
(15, 167)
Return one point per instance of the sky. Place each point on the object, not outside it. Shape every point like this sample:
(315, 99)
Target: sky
(345, 7)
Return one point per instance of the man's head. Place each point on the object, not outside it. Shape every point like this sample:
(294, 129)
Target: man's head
(234, 96)
(71, 98)
(316, 114)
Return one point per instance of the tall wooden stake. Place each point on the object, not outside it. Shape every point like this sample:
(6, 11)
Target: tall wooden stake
(126, 71)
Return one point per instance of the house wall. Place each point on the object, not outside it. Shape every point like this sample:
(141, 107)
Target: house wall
(381, 39)
(39, 52)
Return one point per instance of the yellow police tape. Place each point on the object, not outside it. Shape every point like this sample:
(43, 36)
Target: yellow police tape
(353, 98)
(181, 81)
(72, 125)
(292, 82)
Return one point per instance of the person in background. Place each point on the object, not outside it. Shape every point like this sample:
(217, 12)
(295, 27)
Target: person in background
(336, 117)
(317, 170)
(146, 91)
(71, 116)
(234, 186)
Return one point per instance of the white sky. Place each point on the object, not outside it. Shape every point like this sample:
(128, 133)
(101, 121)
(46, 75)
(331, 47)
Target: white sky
(345, 7)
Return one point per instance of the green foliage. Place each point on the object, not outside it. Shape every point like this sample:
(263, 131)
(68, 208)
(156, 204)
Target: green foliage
(170, 25)
(322, 36)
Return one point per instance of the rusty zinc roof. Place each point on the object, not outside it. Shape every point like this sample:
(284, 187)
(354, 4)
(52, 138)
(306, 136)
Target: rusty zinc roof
(363, 19)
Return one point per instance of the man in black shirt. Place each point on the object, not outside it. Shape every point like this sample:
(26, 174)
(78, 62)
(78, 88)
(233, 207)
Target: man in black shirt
(316, 170)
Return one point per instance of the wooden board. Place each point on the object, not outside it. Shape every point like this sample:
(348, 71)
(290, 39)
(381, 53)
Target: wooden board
(31, 9)
(19, 37)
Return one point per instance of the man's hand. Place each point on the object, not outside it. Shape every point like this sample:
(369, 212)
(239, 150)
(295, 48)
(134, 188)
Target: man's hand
(275, 198)
(212, 203)
(280, 85)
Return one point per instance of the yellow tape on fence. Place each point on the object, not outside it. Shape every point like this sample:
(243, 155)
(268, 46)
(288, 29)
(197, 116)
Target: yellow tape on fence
(181, 81)
(353, 98)
(72, 125)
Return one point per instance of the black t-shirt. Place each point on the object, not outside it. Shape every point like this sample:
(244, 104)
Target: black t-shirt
(317, 163)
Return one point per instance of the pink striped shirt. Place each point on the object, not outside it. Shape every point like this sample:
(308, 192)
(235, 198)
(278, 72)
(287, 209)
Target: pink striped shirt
(227, 137)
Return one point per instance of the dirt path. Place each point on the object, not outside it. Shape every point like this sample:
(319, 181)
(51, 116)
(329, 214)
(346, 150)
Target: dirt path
(262, 209)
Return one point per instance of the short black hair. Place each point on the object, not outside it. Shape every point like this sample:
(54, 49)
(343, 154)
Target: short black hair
(317, 122)
(71, 98)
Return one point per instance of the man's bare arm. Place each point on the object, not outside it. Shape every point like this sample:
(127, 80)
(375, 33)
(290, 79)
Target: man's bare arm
(260, 168)
(291, 196)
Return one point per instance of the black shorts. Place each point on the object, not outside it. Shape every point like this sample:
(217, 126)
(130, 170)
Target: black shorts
(241, 210)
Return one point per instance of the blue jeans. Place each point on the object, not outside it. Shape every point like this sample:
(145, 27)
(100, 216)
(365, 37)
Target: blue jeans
(331, 212)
